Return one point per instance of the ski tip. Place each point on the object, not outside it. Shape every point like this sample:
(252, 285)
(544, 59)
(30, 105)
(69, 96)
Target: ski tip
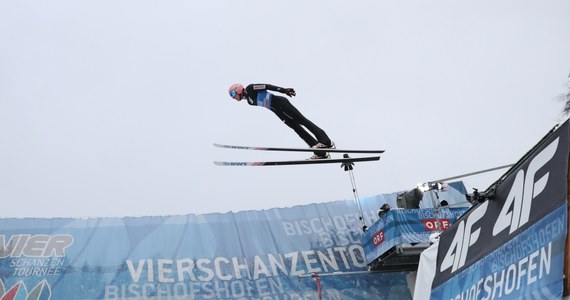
(236, 147)
(237, 163)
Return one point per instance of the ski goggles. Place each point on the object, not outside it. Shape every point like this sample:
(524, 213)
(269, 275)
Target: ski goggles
(233, 93)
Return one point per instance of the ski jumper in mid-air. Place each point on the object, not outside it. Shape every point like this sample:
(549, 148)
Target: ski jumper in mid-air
(258, 95)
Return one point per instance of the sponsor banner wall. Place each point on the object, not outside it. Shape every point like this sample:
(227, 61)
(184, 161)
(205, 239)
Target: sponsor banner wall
(401, 226)
(533, 190)
(529, 266)
(244, 255)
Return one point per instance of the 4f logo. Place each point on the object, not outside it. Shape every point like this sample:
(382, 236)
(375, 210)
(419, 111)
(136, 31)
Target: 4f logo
(525, 188)
(465, 237)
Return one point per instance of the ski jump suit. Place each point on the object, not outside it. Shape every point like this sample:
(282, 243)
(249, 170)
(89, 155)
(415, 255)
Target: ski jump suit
(258, 95)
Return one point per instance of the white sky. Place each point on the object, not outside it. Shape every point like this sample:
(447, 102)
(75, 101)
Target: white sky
(110, 108)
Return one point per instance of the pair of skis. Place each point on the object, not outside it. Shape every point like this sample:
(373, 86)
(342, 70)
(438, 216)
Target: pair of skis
(344, 160)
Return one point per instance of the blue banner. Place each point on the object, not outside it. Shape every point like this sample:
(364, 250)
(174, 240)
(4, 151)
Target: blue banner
(243, 255)
(530, 266)
(401, 226)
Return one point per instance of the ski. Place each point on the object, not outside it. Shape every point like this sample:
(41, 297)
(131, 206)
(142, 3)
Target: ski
(295, 162)
(295, 149)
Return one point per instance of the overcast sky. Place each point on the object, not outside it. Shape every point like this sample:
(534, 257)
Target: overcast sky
(110, 108)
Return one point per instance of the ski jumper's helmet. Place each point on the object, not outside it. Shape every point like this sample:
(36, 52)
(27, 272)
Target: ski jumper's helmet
(235, 90)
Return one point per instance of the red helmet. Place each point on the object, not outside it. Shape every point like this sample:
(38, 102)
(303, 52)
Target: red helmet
(236, 90)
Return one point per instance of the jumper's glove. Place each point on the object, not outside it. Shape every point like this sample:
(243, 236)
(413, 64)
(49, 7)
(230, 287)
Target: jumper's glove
(289, 92)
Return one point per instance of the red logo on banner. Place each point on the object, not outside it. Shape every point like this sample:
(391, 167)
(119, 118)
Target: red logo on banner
(378, 238)
(432, 224)
(42, 290)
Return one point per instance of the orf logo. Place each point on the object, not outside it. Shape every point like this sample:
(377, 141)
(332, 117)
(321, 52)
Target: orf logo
(378, 238)
(41, 291)
(434, 224)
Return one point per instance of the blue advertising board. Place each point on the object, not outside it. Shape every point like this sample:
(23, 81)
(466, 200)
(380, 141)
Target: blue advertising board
(530, 266)
(401, 226)
(243, 255)
(530, 197)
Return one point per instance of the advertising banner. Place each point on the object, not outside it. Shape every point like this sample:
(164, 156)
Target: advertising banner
(243, 255)
(531, 192)
(401, 226)
(529, 266)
